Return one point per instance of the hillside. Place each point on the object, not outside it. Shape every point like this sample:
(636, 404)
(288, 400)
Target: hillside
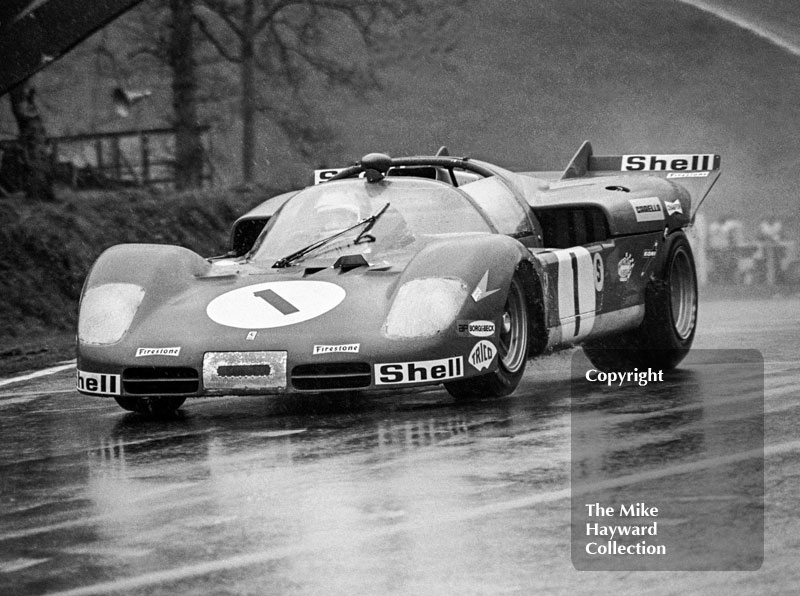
(46, 250)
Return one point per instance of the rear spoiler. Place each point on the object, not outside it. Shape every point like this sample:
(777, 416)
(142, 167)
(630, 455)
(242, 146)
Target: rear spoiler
(697, 172)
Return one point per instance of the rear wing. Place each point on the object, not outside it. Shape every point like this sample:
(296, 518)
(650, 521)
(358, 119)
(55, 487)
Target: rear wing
(697, 172)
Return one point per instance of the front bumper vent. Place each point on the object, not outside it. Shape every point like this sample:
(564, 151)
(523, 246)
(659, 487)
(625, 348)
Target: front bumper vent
(160, 380)
(331, 376)
(244, 371)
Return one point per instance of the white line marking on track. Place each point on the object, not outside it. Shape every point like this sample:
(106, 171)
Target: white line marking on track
(39, 373)
(330, 539)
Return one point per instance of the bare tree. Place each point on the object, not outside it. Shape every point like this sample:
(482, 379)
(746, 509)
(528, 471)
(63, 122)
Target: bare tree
(189, 153)
(35, 164)
(282, 46)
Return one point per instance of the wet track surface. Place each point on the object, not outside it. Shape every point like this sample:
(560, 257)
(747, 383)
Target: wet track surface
(403, 493)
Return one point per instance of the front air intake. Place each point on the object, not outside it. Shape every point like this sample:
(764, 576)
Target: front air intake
(160, 380)
(331, 376)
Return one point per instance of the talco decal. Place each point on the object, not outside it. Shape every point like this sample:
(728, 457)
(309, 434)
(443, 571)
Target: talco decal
(688, 174)
(99, 383)
(599, 272)
(340, 348)
(673, 207)
(395, 373)
(158, 352)
(475, 328)
(274, 304)
(647, 209)
(679, 162)
(482, 354)
(625, 267)
(480, 292)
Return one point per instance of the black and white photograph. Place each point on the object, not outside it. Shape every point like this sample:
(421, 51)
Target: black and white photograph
(399, 297)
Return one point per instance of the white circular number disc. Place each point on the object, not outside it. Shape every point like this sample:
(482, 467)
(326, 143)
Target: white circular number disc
(274, 304)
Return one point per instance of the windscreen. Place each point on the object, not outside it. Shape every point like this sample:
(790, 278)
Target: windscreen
(418, 211)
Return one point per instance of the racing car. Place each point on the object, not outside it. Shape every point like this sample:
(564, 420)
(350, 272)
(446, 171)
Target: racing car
(400, 272)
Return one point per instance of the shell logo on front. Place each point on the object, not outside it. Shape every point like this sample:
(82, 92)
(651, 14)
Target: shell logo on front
(427, 371)
(275, 304)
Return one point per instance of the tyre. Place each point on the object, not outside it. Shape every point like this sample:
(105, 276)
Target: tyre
(153, 406)
(670, 318)
(512, 351)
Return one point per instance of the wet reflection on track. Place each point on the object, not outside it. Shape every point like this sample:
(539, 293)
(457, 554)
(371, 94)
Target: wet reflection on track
(405, 493)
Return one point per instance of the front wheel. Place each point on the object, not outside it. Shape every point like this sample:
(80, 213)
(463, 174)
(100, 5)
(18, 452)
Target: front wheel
(512, 352)
(670, 318)
(153, 406)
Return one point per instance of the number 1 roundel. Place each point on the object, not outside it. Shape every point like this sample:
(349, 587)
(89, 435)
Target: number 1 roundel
(274, 304)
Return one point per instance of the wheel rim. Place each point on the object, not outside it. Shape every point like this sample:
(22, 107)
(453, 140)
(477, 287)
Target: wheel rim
(514, 330)
(683, 294)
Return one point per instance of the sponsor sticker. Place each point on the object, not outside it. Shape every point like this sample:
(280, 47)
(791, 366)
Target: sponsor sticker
(482, 354)
(480, 292)
(625, 267)
(475, 328)
(251, 336)
(340, 348)
(99, 383)
(157, 352)
(599, 272)
(649, 253)
(647, 209)
(323, 175)
(660, 163)
(688, 175)
(274, 304)
(673, 207)
(396, 373)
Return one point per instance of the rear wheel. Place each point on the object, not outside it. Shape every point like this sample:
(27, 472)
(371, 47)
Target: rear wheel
(512, 351)
(670, 319)
(153, 406)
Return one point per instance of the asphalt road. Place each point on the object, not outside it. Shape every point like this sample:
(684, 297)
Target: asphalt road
(414, 494)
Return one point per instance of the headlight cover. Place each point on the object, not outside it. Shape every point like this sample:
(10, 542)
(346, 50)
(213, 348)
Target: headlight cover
(424, 307)
(107, 312)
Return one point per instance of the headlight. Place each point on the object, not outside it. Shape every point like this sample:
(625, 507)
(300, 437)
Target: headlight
(107, 311)
(424, 307)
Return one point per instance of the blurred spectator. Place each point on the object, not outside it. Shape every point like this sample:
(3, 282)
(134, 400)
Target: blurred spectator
(769, 235)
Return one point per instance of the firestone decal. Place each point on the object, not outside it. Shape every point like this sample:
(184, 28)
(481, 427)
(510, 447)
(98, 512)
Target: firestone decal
(332, 349)
(688, 175)
(647, 209)
(395, 373)
(625, 267)
(158, 352)
(475, 328)
(275, 304)
(482, 354)
(99, 383)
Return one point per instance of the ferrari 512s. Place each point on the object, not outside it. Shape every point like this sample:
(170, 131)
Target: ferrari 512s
(411, 271)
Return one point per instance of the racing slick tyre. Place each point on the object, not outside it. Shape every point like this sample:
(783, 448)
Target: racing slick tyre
(512, 351)
(670, 318)
(154, 406)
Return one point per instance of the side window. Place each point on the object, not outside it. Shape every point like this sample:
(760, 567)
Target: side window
(507, 215)
(572, 226)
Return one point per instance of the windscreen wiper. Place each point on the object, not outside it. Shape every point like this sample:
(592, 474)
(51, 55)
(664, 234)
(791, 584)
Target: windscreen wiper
(368, 222)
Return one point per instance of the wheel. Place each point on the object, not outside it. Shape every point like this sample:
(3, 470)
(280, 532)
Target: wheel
(670, 318)
(154, 406)
(512, 352)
